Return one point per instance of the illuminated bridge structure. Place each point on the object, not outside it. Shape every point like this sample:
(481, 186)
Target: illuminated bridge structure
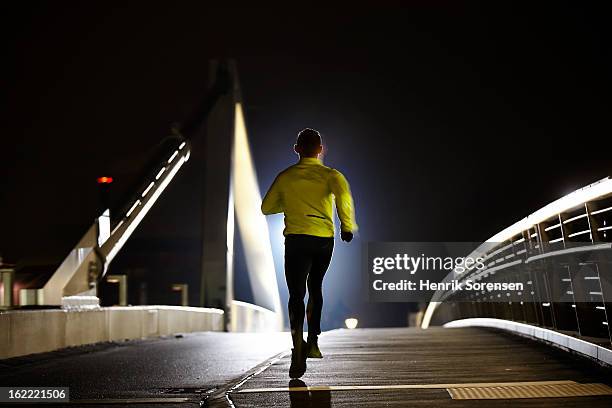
(563, 251)
(231, 210)
(564, 254)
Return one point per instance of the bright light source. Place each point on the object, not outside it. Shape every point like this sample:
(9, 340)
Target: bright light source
(116, 245)
(136, 204)
(144, 193)
(104, 180)
(160, 173)
(117, 227)
(351, 323)
(173, 156)
(250, 223)
(578, 197)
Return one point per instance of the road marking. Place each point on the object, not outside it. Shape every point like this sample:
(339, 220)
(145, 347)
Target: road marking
(223, 394)
(403, 386)
(530, 391)
(131, 401)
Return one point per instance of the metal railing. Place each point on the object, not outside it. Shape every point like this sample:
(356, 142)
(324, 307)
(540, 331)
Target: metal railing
(563, 252)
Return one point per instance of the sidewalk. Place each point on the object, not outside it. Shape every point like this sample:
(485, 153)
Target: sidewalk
(435, 367)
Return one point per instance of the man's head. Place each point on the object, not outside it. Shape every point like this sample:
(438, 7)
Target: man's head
(309, 143)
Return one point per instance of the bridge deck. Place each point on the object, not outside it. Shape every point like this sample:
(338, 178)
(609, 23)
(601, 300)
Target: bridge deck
(420, 360)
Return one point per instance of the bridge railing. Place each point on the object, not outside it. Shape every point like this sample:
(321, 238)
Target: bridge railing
(563, 253)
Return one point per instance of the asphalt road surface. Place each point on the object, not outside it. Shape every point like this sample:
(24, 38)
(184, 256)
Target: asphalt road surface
(408, 367)
(143, 371)
(361, 368)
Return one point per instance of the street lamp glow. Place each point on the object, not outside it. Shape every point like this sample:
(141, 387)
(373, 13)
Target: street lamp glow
(121, 280)
(351, 323)
(104, 180)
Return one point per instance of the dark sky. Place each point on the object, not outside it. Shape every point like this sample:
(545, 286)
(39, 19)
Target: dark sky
(451, 120)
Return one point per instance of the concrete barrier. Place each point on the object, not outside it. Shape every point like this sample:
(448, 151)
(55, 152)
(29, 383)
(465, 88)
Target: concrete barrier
(560, 340)
(246, 317)
(35, 331)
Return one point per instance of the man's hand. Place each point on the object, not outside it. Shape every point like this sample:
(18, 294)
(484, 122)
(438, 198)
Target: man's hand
(346, 236)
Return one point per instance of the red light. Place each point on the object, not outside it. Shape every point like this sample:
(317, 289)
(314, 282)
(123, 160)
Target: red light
(105, 180)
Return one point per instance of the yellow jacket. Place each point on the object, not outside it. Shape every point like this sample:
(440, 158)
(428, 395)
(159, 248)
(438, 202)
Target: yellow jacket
(304, 193)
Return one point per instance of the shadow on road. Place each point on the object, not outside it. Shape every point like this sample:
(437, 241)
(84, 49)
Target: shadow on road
(308, 399)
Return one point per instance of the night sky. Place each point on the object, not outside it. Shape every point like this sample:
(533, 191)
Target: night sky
(450, 120)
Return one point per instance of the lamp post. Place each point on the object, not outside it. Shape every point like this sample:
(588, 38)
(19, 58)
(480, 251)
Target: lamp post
(7, 278)
(184, 289)
(122, 281)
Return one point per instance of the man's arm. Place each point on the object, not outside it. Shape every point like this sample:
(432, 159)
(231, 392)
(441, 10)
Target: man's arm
(344, 203)
(273, 201)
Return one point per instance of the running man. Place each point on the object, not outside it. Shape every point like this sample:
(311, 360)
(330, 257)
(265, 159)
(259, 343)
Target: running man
(305, 193)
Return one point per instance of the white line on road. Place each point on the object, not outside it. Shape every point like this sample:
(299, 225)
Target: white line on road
(400, 386)
(131, 401)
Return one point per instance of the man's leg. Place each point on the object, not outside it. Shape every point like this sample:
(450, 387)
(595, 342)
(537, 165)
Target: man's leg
(321, 259)
(297, 265)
